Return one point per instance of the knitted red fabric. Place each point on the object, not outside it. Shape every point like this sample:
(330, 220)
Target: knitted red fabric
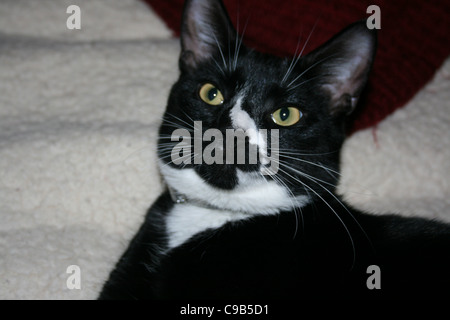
(413, 40)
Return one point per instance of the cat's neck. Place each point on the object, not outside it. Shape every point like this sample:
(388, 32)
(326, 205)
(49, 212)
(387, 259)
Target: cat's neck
(187, 219)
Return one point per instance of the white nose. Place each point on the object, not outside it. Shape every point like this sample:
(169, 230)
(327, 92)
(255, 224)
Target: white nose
(240, 119)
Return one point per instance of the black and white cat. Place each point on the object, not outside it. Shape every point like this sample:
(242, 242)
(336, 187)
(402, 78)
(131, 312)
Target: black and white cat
(271, 228)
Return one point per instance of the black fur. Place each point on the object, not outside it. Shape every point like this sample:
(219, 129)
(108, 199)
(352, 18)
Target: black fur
(261, 258)
(321, 250)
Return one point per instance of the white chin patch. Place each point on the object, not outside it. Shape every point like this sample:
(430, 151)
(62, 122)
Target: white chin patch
(240, 119)
(253, 194)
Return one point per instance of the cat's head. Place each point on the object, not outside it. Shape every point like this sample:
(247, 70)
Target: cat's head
(285, 115)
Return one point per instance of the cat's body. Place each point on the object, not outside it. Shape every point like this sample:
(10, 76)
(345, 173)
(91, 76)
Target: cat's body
(272, 228)
(266, 257)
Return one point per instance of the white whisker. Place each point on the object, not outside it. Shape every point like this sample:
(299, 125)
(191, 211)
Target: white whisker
(316, 181)
(297, 57)
(279, 180)
(309, 68)
(329, 206)
(221, 52)
(311, 163)
(239, 40)
(190, 125)
(293, 62)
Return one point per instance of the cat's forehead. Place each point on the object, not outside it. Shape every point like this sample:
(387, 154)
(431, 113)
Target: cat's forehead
(267, 69)
(253, 74)
(268, 78)
(253, 68)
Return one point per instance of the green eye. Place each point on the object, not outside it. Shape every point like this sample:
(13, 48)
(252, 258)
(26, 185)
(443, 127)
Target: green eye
(287, 116)
(211, 95)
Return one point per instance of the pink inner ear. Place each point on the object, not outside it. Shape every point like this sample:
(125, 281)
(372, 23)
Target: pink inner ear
(412, 41)
(195, 42)
(350, 81)
(206, 29)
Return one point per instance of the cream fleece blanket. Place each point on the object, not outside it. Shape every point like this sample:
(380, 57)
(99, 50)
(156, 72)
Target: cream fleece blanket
(79, 112)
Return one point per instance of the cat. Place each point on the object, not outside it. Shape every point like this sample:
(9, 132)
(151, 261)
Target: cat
(240, 230)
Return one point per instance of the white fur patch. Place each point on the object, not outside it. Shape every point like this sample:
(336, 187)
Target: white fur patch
(240, 119)
(187, 220)
(252, 196)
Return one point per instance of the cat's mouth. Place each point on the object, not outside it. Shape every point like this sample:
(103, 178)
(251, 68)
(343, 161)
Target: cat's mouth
(222, 176)
(225, 176)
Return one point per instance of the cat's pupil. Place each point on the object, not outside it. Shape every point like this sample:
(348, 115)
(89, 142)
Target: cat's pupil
(212, 94)
(284, 114)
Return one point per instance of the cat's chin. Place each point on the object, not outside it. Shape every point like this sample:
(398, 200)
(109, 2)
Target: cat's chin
(251, 193)
(219, 176)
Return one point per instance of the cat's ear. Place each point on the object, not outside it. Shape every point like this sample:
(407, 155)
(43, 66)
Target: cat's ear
(206, 31)
(343, 63)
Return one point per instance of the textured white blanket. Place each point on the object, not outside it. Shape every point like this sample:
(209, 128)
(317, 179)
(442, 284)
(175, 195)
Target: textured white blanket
(79, 112)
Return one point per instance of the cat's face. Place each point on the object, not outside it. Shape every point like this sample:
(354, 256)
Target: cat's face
(255, 133)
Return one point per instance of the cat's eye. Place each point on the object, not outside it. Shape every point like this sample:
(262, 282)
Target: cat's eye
(211, 95)
(287, 116)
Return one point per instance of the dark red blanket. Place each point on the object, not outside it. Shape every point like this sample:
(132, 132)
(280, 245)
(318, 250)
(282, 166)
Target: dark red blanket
(413, 40)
